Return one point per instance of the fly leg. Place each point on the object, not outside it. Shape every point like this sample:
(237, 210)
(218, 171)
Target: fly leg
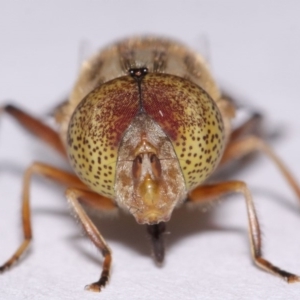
(245, 140)
(214, 191)
(36, 127)
(51, 137)
(252, 126)
(78, 191)
(75, 196)
(249, 144)
(44, 170)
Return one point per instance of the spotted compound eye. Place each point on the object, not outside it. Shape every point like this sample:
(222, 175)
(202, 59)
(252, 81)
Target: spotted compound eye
(190, 119)
(96, 129)
(185, 113)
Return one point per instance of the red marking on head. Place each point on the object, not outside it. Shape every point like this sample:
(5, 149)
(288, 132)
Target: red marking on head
(165, 103)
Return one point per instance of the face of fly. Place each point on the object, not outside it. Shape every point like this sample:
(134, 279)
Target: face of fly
(146, 140)
(172, 144)
(149, 181)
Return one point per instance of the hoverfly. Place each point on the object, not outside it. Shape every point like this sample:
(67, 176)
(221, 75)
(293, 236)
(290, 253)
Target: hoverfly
(145, 126)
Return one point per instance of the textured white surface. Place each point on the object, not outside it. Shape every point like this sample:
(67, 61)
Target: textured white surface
(254, 49)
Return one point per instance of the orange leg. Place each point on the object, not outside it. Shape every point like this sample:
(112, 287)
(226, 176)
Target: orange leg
(211, 192)
(45, 170)
(251, 126)
(241, 147)
(36, 127)
(59, 176)
(75, 196)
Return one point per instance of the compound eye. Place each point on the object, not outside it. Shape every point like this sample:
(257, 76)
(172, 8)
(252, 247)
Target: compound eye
(137, 166)
(155, 165)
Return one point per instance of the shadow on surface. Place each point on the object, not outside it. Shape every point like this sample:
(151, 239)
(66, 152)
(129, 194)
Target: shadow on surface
(123, 229)
(185, 221)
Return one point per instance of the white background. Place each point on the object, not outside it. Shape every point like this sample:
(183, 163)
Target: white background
(253, 48)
